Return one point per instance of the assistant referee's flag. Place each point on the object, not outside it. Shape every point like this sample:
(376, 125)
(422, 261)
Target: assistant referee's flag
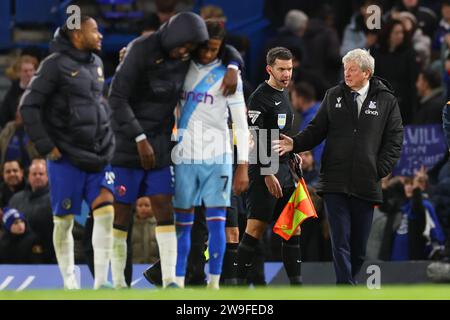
(298, 209)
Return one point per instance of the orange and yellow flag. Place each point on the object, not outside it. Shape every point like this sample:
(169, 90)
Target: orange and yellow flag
(298, 209)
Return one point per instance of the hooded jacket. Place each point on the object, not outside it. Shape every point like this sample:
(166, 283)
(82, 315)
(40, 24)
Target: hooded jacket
(358, 151)
(25, 248)
(37, 209)
(63, 107)
(147, 86)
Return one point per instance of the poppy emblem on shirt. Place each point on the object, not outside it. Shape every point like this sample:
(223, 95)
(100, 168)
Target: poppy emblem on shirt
(281, 120)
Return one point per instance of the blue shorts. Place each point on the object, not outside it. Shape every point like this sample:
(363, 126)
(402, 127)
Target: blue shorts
(69, 186)
(197, 184)
(131, 183)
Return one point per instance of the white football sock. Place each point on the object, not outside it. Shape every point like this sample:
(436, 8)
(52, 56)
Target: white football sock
(167, 244)
(102, 242)
(64, 249)
(119, 258)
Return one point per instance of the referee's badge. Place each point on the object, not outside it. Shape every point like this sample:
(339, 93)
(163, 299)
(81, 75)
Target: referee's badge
(281, 120)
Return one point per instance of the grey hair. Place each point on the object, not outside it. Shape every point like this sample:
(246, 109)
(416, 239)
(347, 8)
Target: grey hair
(362, 57)
(295, 20)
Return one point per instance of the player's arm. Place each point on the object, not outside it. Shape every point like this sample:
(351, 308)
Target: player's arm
(236, 104)
(36, 95)
(122, 87)
(233, 60)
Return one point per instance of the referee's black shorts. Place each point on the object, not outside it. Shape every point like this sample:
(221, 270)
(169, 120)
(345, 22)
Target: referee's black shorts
(260, 203)
(232, 213)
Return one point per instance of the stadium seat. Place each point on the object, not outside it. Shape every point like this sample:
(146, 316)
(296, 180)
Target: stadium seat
(5, 24)
(31, 12)
(115, 14)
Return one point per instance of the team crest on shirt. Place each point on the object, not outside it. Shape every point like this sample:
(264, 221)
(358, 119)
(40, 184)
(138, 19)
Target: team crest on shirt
(281, 120)
(66, 204)
(338, 104)
(211, 78)
(372, 110)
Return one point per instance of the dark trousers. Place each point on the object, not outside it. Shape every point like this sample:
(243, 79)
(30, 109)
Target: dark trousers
(350, 220)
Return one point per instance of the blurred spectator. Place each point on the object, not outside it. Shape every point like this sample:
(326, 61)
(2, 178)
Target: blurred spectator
(26, 68)
(145, 247)
(149, 24)
(13, 181)
(276, 10)
(356, 34)
(291, 34)
(304, 101)
(431, 96)
(414, 232)
(165, 9)
(211, 12)
(446, 122)
(310, 172)
(426, 18)
(442, 37)
(322, 50)
(396, 62)
(240, 42)
(34, 202)
(15, 144)
(19, 245)
(376, 234)
(421, 43)
(439, 190)
(446, 76)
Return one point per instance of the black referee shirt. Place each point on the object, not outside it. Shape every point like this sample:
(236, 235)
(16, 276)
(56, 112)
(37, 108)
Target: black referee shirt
(269, 108)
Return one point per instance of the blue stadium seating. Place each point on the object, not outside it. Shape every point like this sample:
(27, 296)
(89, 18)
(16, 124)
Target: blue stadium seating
(113, 14)
(32, 12)
(5, 24)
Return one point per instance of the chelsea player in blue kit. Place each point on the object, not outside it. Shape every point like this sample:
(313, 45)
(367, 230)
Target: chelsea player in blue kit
(65, 117)
(203, 155)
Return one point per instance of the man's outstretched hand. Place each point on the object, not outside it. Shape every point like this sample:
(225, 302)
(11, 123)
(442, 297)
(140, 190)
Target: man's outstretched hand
(283, 146)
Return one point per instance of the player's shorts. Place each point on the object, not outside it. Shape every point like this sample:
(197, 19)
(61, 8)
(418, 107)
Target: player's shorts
(260, 203)
(132, 183)
(69, 186)
(232, 213)
(207, 183)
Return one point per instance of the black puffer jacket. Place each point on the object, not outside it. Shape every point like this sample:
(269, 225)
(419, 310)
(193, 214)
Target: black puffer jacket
(63, 107)
(147, 86)
(358, 151)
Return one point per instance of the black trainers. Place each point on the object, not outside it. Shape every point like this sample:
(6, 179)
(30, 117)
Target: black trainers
(153, 274)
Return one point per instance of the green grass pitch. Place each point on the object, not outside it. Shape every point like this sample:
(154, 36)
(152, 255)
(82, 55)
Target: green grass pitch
(397, 292)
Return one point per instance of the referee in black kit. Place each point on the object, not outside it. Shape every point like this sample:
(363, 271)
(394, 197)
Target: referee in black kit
(271, 181)
(360, 120)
